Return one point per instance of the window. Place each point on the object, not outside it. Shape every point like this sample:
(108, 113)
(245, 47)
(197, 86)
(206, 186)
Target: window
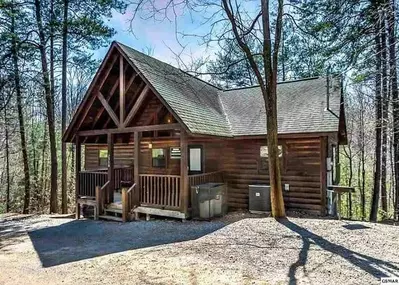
(264, 152)
(175, 153)
(195, 159)
(158, 157)
(103, 157)
(263, 159)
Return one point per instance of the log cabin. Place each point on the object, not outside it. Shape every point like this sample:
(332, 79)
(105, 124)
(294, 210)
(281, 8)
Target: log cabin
(164, 130)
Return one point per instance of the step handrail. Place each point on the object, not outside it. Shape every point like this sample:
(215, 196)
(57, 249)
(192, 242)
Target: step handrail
(131, 188)
(99, 200)
(127, 202)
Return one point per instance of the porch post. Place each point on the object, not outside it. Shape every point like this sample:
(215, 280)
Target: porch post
(137, 190)
(77, 173)
(111, 172)
(184, 195)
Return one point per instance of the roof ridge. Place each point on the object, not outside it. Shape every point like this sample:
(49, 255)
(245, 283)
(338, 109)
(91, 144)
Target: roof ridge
(181, 70)
(278, 83)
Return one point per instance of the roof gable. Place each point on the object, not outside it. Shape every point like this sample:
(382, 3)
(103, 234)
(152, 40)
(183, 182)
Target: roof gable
(101, 107)
(207, 110)
(194, 101)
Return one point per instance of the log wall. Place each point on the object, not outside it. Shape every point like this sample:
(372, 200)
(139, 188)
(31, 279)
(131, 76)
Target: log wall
(124, 156)
(300, 168)
(240, 159)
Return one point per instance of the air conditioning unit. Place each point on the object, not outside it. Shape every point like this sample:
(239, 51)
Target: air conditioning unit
(259, 199)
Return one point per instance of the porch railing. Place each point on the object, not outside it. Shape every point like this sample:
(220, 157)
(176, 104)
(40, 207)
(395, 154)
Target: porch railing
(197, 179)
(90, 179)
(123, 174)
(160, 190)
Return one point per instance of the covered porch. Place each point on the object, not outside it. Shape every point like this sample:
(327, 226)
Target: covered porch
(135, 144)
(148, 186)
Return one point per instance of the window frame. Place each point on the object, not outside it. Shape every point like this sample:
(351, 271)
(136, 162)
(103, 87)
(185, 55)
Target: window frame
(102, 159)
(165, 164)
(263, 167)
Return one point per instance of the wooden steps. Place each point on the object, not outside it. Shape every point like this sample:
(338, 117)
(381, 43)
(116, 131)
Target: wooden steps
(148, 211)
(112, 214)
(113, 211)
(111, 218)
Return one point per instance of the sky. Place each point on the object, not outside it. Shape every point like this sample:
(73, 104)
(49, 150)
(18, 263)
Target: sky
(159, 36)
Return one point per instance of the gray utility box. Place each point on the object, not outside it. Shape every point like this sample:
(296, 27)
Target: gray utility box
(208, 200)
(259, 199)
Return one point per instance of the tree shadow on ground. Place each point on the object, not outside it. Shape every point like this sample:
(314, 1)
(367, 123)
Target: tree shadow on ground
(84, 239)
(374, 266)
(12, 230)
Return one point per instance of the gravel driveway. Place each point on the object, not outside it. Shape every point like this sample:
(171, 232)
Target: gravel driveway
(239, 249)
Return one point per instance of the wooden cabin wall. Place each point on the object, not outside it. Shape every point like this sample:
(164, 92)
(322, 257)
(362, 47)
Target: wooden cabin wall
(300, 168)
(240, 159)
(173, 165)
(124, 156)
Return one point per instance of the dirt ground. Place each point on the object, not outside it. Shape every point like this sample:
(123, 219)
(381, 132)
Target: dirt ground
(239, 249)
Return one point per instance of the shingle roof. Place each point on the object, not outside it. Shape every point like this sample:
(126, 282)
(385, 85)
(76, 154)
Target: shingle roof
(195, 102)
(205, 109)
(301, 108)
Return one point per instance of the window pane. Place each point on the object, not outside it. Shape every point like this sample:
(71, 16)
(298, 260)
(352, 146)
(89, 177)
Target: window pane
(158, 157)
(103, 153)
(195, 159)
(265, 153)
(104, 162)
(158, 153)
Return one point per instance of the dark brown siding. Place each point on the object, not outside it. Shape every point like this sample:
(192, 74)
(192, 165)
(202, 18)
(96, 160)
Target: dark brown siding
(124, 156)
(240, 159)
(300, 168)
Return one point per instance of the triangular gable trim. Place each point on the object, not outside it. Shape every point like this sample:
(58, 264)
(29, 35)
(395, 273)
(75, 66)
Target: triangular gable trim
(157, 94)
(69, 135)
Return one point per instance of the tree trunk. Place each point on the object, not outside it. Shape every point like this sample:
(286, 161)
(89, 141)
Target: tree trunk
(20, 114)
(7, 156)
(362, 169)
(270, 60)
(64, 108)
(350, 178)
(276, 194)
(34, 159)
(384, 120)
(43, 175)
(268, 84)
(395, 100)
(378, 115)
(49, 109)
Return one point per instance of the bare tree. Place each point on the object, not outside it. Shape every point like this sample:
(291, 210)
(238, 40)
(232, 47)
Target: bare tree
(15, 60)
(378, 118)
(64, 107)
(394, 97)
(230, 21)
(49, 107)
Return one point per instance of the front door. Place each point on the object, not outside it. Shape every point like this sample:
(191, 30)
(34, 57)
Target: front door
(195, 159)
